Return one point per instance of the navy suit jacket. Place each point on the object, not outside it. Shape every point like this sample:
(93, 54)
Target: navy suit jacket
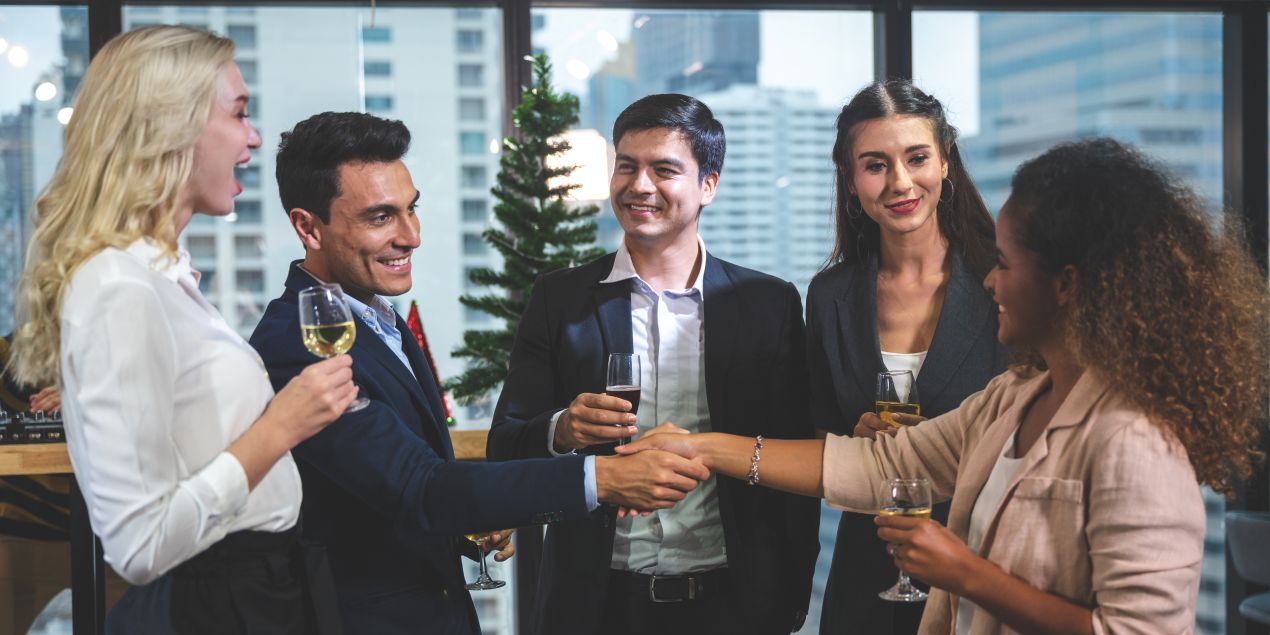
(755, 384)
(383, 492)
(845, 358)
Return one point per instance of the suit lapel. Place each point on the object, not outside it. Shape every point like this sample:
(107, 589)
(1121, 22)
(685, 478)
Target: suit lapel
(722, 306)
(613, 311)
(858, 328)
(427, 383)
(966, 308)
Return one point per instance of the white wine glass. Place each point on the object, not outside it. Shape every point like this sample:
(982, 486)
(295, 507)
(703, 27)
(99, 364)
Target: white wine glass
(897, 392)
(483, 582)
(911, 498)
(326, 325)
(623, 381)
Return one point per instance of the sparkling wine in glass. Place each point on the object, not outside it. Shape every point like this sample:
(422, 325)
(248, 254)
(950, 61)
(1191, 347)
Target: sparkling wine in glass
(623, 381)
(326, 325)
(897, 392)
(905, 497)
(483, 582)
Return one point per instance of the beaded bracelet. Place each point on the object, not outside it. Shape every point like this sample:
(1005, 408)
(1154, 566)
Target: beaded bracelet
(758, 448)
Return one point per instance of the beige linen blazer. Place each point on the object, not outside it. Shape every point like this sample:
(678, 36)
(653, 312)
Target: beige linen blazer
(1104, 510)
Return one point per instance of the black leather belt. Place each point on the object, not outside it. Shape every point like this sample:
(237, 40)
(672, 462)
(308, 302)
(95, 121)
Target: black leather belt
(672, 588)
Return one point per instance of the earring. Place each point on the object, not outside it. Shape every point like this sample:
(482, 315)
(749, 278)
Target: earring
(947, 186)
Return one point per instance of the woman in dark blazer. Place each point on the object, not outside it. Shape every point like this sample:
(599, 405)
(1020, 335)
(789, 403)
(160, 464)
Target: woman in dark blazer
(903, 290)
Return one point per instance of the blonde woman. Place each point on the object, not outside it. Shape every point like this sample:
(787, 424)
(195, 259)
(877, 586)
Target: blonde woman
(178, 442)
(1075, 478)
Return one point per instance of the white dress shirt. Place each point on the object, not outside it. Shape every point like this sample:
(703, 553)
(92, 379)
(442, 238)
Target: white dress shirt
(155, 387)
(668, 333)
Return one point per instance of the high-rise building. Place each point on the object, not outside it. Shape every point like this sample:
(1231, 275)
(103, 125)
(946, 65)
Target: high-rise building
(694, 52)
(773, 211)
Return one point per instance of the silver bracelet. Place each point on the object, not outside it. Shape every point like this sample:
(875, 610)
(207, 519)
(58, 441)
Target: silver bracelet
(752, 479)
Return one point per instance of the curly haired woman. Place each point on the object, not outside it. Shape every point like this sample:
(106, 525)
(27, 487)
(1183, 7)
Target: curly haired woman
(1074, 478)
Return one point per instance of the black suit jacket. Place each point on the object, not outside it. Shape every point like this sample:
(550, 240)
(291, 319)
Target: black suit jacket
(755, 384)
(383, 492)
(844, 357)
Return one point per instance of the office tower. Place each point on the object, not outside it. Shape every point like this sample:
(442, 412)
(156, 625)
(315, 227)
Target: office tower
(694, 52)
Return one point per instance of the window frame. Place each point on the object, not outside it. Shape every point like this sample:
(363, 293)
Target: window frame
(1246, 160)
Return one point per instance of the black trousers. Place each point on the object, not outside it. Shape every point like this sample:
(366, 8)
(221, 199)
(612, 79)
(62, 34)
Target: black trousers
(630, 610)
(249, 583)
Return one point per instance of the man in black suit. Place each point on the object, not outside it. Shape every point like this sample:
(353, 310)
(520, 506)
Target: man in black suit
(722, 349)
(381, 488)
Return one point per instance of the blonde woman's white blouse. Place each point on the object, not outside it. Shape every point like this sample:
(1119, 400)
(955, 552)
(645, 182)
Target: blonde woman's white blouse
(155, 387)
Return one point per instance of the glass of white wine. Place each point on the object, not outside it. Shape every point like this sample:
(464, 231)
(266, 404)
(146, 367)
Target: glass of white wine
(897, 392)
(327, 326)
(905, 497)
(483, 582)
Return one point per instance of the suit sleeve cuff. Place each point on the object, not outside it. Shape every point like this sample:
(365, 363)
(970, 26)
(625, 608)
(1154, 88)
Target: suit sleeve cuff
(551, 437)
(589, 485)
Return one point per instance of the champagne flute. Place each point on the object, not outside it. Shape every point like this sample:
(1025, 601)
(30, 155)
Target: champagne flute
(623, 381)
(905, 497)
(483, 582)
(326, 325)
(897, 392)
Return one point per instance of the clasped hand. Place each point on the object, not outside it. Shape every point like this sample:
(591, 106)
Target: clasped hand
(669, 444)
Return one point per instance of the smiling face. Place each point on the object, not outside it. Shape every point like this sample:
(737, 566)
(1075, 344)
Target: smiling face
(1028, 296)
(656, 189)
(366, 247)
(897, 170)
(226, 141)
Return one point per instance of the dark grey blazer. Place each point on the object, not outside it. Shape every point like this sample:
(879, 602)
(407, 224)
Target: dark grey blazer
(844, 358)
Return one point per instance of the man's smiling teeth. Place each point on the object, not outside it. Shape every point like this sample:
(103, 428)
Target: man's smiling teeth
(398, 262)
(641, 208)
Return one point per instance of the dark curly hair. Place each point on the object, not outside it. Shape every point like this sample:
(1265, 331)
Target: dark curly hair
(963, 218)
(1171, 309)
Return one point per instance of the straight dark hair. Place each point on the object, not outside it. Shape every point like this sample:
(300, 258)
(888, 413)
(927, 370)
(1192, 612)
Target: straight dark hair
(310, 156)
(963, 217)
(685, 115)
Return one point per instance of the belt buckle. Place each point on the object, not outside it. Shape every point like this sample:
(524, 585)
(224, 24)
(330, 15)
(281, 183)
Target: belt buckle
(652, 589)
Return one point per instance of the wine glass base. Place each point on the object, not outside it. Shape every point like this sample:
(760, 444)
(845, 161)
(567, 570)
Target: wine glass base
(358, 404)
(485, 585)
(893, 594)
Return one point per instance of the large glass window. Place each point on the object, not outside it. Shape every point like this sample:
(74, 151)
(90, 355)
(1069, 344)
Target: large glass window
(776, 79)
(1018, 83)
(43, 55)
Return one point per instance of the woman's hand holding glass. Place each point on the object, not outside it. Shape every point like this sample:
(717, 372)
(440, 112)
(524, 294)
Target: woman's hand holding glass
(870, 424)
(929, 551)
(313, 399)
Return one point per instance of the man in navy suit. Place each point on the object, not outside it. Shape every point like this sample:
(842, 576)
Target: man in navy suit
(722, 349)
(381, 488)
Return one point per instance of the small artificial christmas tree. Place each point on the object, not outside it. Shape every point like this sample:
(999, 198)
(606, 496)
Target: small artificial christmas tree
(538, 230)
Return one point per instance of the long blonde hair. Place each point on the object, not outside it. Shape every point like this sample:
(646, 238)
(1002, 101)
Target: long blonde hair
(128, 155)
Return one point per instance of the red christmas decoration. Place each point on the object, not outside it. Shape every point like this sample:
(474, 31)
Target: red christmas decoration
(416, 327)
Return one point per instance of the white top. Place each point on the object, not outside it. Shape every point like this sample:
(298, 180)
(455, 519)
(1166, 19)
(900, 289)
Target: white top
(668, 333)
(981, 516)
(155, 387)
(904, 361)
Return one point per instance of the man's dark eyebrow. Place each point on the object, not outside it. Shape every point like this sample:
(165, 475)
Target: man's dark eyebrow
(881, 155)
(386, 207)
(665, 161)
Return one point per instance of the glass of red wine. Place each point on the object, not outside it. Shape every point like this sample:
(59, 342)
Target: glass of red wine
(623, 381)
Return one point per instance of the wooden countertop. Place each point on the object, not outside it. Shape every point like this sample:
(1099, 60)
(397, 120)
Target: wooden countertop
(51, 458)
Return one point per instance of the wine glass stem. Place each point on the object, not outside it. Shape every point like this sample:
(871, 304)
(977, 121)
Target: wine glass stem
(484, 571)
(904, 586)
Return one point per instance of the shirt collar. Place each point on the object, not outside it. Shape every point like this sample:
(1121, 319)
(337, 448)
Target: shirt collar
(151, 254)
(379, 307)
(624, 268)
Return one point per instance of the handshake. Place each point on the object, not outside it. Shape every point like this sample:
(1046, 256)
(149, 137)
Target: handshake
(645, 476)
